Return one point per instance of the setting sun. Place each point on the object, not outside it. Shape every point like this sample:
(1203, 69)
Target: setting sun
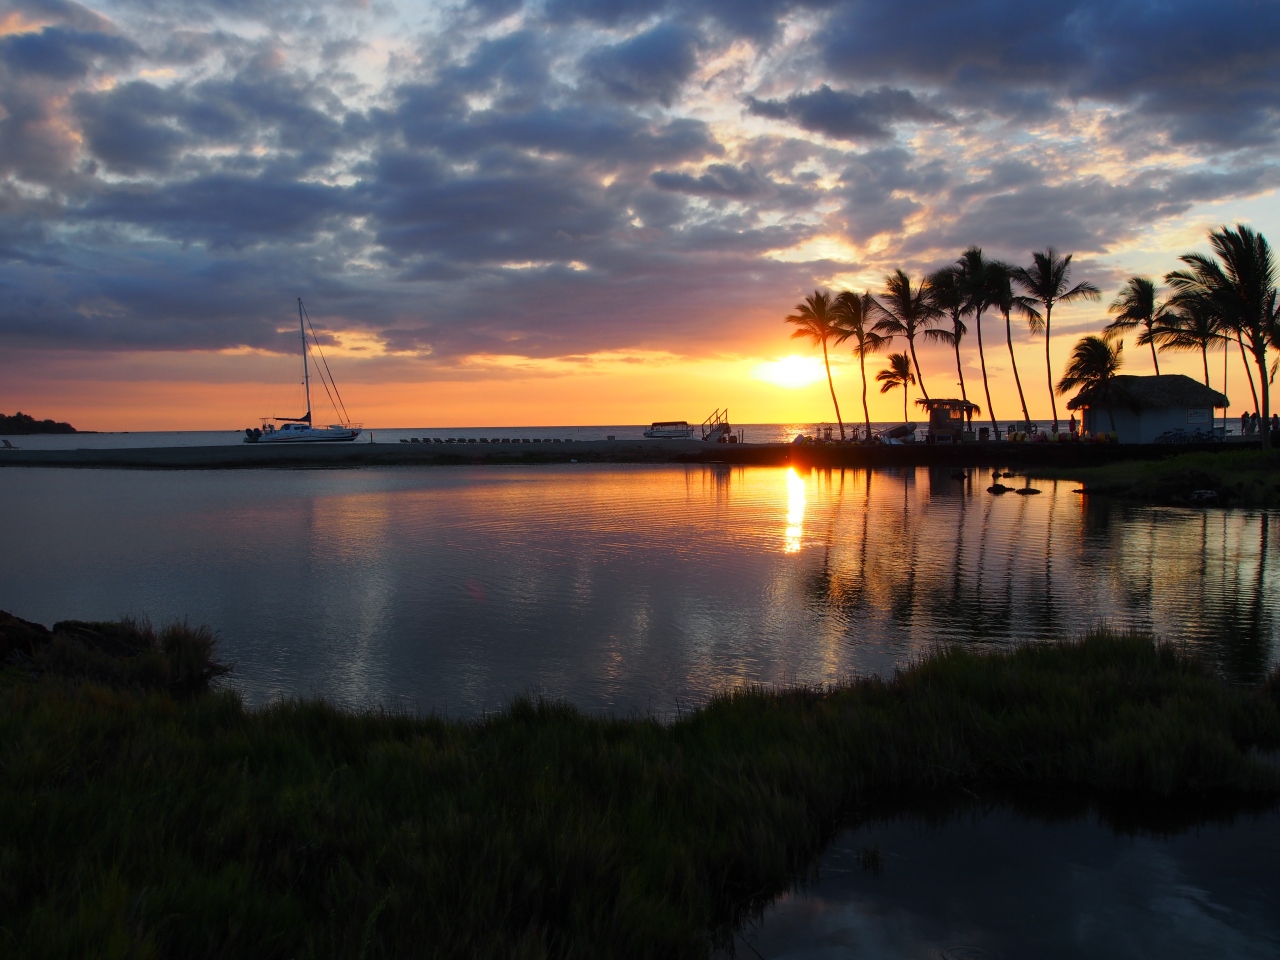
(793, 372)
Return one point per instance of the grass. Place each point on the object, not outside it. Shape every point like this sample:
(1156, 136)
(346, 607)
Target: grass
(1236, 477)
(141, 823)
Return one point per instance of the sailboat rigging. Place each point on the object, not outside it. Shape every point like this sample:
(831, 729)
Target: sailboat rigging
(300, 429)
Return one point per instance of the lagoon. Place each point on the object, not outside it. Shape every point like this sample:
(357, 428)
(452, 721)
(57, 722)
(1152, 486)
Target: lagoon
(620, 587)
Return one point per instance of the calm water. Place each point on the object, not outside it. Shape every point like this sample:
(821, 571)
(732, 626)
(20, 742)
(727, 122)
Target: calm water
(1001, 886)
(619, 587)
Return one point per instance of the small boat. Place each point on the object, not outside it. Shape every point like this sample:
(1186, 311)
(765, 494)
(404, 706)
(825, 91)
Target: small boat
(670, 430)
(300, 429)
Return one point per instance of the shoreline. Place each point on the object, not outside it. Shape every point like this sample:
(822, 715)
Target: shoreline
(819, 455)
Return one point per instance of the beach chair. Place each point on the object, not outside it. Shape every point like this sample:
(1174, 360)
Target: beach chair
(8, 445)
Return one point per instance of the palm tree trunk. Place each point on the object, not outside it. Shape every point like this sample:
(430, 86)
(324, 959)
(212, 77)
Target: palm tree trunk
(955, 340)
(866, 411)
(1048, 362)
(1264, 421)
(1008, 332)
(1244, 357)
(904, 403)
(827, 361)
(1204, 356)
(1152, 345)
(911, 344)
(986, 389)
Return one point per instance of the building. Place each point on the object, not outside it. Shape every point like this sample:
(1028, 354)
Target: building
(949, 420)
(1142, 409)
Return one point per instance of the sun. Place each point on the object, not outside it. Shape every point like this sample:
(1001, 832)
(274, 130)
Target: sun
(793, 372)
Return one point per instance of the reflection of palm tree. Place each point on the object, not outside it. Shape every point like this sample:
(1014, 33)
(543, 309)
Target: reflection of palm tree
(897, 374)
(1092, 369)
(1137, 306)
(1240, 285)
(1006, 301)
(1046, 281)
(815, 321)
(909, 314)
(1192, 327)
(948, 297)
(853, 317)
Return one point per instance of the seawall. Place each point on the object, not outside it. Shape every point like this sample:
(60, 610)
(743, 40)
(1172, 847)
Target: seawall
(314, 456)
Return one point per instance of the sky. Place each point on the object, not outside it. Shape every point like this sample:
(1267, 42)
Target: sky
(576, 211)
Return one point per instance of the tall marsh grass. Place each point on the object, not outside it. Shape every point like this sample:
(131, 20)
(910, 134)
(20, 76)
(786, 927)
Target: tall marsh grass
(139, 824)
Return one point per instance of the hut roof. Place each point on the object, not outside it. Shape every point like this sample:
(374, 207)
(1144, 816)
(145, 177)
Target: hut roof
(932, 404)
(1154, 393)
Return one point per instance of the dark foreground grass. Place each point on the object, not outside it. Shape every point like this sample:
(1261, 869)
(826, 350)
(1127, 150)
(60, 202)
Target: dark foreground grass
(141, 824)
(1247, 478)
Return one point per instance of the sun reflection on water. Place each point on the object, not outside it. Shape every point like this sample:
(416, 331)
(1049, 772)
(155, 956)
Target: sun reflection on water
(795, 512)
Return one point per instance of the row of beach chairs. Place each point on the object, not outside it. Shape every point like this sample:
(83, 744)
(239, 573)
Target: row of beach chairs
(477, 440)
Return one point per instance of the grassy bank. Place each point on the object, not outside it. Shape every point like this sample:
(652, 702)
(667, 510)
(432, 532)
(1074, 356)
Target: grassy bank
(144, 817)
(1234, 478)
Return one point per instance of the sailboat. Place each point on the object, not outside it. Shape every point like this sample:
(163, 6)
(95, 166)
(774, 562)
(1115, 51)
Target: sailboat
(300, 429)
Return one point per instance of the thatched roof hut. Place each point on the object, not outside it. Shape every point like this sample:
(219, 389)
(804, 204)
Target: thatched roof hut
(1154, 393)
(1144, 409)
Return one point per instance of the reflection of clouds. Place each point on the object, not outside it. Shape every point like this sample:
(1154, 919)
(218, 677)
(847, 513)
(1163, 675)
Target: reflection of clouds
(1001, 885)
(795, 512)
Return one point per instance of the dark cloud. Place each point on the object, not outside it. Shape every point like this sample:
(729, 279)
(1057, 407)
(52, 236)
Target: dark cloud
(849, 116)
(652, 66)
(224, 211)
(537, 187)
(1206, 76)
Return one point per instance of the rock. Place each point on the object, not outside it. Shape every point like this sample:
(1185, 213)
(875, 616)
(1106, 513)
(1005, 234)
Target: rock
(20, 637)
(1027, 491)
(998, 488)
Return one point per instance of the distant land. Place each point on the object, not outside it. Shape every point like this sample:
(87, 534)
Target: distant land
(22, 424)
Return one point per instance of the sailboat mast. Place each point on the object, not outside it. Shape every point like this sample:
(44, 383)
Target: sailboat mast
(306, 374)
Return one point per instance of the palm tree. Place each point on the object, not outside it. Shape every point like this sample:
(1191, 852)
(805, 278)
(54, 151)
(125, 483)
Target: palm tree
(855, 315)
(946, 292)
(897, 374)
(978, 280)
(1006, 301)
(816, 321)
(1192, 327)
(1092, 368)
(909, 313)
(1046, 281)
(1242, 290)
(1135, 306)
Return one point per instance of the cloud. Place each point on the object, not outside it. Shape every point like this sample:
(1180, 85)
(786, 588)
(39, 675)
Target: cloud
(849, 116)
(649, 67)
(1205, 76)
(544, 179)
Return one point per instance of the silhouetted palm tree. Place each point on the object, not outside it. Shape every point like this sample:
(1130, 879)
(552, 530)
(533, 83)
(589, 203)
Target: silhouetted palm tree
(815, 320)
(909, 313)
(1136, 306)
(946, 292)
(855, 316)
(897, 374)
(1007, 302)
(1046, 281)
(1242, 290)
(1193, 326)
(978, 281)
(1092, 368)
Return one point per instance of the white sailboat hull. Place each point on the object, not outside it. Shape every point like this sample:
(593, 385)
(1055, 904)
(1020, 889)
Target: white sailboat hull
(334, 434)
